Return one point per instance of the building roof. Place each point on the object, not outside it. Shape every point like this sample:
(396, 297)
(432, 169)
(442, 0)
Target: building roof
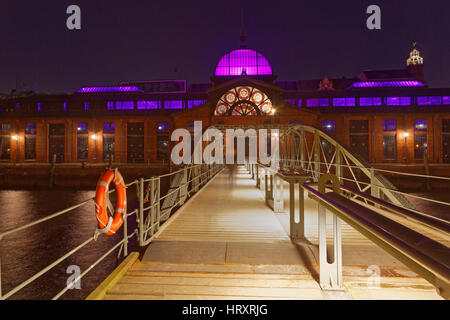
(396, 74)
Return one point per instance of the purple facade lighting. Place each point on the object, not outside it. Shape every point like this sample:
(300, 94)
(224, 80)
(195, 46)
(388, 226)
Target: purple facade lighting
(173, 104)
(243, 61)
(108, 89)
(398, 101)
(378, 84)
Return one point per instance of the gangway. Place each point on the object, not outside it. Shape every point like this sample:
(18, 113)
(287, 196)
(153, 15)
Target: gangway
(230, 231)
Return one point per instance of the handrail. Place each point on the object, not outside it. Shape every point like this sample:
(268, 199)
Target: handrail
(295, 137)
(393, 237)
(391, 190)
(375, 169)
(122, 244)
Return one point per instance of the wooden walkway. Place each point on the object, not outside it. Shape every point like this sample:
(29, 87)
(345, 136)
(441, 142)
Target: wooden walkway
(227, 244)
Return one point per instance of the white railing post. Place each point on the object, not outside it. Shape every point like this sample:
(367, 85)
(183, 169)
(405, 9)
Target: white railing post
(141, 211)
(302, 149)
(339, 163)
(0, 276)
(330, 272)
(125, 234)
(278, 197)
(156, 202)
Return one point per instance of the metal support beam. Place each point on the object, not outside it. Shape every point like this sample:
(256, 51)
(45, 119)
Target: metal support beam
(278, 197)
(261, 178)
(296, 222)
(141, 211)
(316, 156)
(330, 271)
(257, 176)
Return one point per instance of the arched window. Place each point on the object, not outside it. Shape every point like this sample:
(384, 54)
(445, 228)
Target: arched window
(244, 101)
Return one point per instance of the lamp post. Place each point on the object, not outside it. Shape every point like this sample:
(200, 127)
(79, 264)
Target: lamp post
(15, 138)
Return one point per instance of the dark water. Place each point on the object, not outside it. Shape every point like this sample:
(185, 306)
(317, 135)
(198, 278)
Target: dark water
(26, 252)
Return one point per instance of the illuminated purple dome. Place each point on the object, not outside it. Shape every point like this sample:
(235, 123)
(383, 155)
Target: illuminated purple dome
(243, 61)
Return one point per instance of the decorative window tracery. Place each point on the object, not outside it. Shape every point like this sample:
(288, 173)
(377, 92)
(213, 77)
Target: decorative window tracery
(244, 101)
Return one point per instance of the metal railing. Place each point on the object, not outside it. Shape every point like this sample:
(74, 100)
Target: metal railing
(149, 219)
(316, 152)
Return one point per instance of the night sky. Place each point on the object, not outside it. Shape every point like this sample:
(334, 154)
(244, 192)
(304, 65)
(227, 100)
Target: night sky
(154, 39)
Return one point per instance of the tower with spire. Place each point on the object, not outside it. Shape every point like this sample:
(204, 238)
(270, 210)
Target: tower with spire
(414, 64)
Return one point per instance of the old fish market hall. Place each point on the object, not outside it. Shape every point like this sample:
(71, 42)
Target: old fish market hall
(387, 117)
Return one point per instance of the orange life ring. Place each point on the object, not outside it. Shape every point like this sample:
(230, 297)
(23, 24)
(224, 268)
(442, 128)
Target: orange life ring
(107, 224)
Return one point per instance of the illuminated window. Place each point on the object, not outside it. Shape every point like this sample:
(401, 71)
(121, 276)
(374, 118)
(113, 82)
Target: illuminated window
(195, 103)
(173, 104)
(398, 101)
(124, 105)
(324, 102)
(162, 127)
(109, 130)
(389, 125)
(30, 141)
(243, 62)
(313, 102)
(446, 100)
(82, 141)
(244, 101)
(370, 101)
(86, 106)
(5, 141)
(109, 127)
(329, 125)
